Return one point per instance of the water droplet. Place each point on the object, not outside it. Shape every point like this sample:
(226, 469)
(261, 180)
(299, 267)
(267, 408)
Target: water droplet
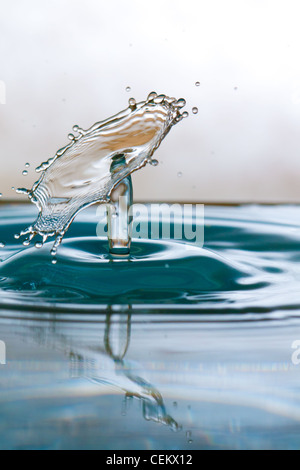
(17, 236)
(181, 103)
(128, 89)
(197, 84)
(132, 103)
(167, 266)
(195, 110)
(2, 244)
(54, 261)
(13, 188)
(179, 174)
(38, 244)
(53, 252)
(26, 242)
(25, 173)
(152, 95)
(154, 162)
(71, 136)
(159, 99)
(1, 194)
(185, 114)
(27, 165)
(75, 128)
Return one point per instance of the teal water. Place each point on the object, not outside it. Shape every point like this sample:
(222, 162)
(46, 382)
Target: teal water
(177, 346)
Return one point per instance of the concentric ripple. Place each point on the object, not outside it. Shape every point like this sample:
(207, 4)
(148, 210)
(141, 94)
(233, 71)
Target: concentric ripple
(249, 263)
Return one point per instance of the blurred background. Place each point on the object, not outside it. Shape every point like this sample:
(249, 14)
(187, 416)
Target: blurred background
(69, 62)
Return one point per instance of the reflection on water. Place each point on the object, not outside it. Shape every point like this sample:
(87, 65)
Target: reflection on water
(121, 375)
(124, 381)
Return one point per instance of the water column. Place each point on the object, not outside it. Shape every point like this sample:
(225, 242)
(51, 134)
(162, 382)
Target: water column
(119, 219)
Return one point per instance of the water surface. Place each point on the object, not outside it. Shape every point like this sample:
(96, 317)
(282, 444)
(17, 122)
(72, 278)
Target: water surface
(176, 347)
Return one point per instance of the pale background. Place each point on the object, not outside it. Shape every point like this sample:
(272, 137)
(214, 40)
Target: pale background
(66, 62)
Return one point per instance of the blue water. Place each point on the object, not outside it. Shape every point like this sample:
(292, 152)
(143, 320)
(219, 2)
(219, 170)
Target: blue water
(175, 347)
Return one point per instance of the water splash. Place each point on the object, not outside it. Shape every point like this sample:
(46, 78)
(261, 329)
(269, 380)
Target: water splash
(80, 173)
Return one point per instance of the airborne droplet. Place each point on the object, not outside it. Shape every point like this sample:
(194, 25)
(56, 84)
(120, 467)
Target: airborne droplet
(195, 110)
(128, 89)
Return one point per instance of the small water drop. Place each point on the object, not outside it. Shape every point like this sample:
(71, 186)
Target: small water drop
(159, 99)
(154, 162)
(179, 174)
(17, 236)
(54, 261)
(185, 114)
(53, 252)
(1, 194)
(25, 173)
(27, 165)
(13, 188)
(132, 103)
(71, 136)
(152, 95)
(189, 437)
(167, 266)
(26, 242)
(128, 89)
(181, 103)
(75, 128)
(2, 244)
(195, 110)
(197, 84)
(38, 244)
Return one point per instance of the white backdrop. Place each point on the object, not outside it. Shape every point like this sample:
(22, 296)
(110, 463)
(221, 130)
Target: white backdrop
(66, 62)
